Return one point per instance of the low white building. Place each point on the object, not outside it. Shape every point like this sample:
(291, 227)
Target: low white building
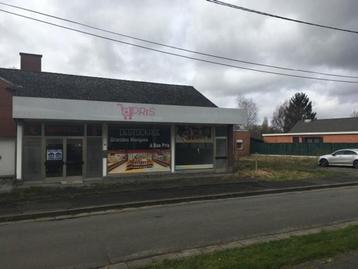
(75, 126)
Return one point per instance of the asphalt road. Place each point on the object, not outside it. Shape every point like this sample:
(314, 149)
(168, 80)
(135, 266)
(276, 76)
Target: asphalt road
(98, 240)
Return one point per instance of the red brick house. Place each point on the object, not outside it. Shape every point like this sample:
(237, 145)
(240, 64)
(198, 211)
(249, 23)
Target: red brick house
(337, 130)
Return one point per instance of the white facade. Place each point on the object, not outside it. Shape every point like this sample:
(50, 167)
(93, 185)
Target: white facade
(7, 156)
(83, 110)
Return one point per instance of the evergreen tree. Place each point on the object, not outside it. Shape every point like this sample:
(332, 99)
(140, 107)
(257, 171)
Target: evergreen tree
(299, 108)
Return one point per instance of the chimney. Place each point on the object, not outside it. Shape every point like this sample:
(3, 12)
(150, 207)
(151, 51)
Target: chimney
(30, 62)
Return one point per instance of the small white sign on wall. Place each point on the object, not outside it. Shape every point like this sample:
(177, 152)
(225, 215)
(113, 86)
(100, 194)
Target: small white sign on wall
(54, 155)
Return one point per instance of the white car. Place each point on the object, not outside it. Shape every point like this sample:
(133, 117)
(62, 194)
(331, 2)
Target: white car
(344, 157)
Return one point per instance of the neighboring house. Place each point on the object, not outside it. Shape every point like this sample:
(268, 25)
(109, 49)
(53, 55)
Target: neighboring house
(58, 126)
(242, 143)
(338, 130)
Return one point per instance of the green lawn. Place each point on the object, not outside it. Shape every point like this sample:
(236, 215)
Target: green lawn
(276, 254)
(281, 168)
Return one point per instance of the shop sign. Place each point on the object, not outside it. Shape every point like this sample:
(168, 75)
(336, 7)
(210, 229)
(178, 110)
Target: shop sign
(138, 137)
(129, 111)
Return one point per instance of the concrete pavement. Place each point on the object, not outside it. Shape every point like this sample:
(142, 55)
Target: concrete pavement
(51, 202)
(102, 239)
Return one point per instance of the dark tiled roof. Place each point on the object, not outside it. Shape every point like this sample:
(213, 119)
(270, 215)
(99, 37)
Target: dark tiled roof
(53, 85)
(326, 125)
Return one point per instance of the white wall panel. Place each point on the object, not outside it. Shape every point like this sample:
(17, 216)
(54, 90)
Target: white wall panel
(63, 109)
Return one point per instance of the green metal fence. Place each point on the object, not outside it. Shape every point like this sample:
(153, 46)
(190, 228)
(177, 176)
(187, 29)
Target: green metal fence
(304, 149)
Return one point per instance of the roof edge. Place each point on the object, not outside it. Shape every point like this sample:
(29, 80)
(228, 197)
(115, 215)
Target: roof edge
(311, 133)
(99, 77)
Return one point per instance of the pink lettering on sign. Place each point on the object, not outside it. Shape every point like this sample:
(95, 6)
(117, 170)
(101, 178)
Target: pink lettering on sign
(129, 112)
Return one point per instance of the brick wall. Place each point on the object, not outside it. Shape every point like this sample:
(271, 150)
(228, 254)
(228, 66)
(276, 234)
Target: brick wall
(278, 139)
(245, 137)
(344, 138)
(7, 124)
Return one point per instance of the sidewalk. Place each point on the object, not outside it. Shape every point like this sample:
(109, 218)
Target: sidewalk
(36, 202)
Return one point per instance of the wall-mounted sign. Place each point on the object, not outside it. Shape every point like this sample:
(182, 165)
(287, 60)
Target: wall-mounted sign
(129, 111)
(87, 110)
(54, 155)
(138, 149)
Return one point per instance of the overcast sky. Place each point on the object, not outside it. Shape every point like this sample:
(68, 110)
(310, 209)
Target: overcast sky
(206, 27)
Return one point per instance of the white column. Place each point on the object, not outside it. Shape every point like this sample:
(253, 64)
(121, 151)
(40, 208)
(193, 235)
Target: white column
(172, 147)
(104, 148)
(19, 135)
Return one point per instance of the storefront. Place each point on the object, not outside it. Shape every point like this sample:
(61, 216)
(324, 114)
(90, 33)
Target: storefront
(69, 126)
(170, 139)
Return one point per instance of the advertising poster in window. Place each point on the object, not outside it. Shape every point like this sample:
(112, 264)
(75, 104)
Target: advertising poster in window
(138, 149)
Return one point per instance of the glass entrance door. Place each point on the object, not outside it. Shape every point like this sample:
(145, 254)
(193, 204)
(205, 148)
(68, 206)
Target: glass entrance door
(74, 157)
(64, 157)
(54, 158)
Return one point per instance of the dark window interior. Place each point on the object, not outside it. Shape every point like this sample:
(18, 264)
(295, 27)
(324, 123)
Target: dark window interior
(64, 130)
(194, 153)
(94, 130)
(32, 129)
(313, 140)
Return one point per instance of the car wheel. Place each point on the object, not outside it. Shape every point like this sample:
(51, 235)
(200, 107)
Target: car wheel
(324, 163)
(355, 164)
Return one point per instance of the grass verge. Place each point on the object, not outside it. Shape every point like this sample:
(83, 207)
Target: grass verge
(276, 254)
(281, 168)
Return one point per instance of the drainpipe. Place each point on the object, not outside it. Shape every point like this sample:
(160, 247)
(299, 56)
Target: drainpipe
(19, 138)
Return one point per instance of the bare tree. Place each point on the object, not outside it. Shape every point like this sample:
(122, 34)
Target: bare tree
(354, 114)
(250, 106)
(265, 128)
(278, 117)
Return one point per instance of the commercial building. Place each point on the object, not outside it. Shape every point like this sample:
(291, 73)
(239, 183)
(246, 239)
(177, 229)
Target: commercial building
(58, 126)
(337, 130)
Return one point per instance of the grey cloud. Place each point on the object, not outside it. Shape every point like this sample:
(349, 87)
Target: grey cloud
(201, 26)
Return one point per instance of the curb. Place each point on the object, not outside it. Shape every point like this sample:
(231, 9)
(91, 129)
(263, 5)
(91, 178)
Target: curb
(132, 262)
(70, 213)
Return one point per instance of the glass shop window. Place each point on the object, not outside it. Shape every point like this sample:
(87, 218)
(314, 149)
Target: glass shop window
(194, 148)
(138, 148)
(64, 129)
